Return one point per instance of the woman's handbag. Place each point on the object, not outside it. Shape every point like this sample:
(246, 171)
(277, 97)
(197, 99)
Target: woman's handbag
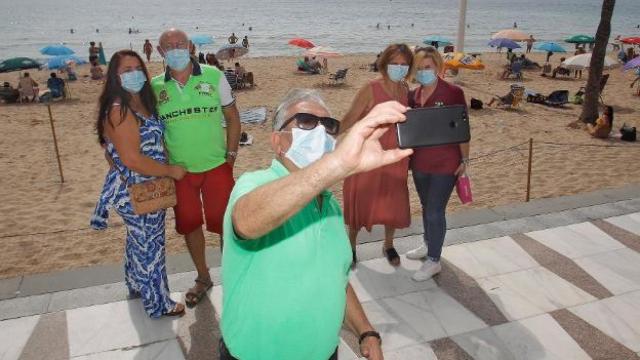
(151, 195)
(463, 188)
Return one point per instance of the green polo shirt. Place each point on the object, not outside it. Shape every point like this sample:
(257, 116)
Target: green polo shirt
(192, 115)
(285, 293)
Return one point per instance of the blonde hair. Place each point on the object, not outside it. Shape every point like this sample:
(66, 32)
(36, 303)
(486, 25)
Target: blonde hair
(428, 52)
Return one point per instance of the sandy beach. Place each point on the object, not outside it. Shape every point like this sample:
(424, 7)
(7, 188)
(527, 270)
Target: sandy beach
(44, 224)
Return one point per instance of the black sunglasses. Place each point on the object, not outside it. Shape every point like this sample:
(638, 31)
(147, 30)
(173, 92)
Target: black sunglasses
(307, 121)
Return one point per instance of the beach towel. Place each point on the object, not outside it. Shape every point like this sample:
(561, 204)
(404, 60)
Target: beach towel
(257, 115)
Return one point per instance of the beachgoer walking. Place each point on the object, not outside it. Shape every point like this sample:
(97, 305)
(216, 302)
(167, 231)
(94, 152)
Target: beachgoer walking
(94, 51)
(435, 169)
(147, 48)
(245, 42)
(530, 42)
(131, 135)
(233, 38)
(380, 196)
(286, 256)
(192, 100)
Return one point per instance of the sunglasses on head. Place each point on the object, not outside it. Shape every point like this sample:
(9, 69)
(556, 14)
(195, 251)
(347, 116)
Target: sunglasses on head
(307, 121)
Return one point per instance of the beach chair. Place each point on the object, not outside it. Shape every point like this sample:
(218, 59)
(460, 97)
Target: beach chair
(603, 84)
(557, 98)
(9, 94)
(513, 99)
(233, 80)
(339, 76)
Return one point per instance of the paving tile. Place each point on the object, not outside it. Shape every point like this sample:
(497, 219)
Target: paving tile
(484, 344)
(413, 352)
(414, 311)
(618, 317)
(94, 295)
(165, 350)
(376, 279)
(24, 306)
(489, 257)
(48, 337)
(562, 218)
(617, 270)
(396, 332)
(9, 287)
(576, 240)
(115, 326)
(539, 337)
(345, 352)
(448, 349)
(71, 279)
(215, 297)
(532, 292)
(630, 222)
(14, 334)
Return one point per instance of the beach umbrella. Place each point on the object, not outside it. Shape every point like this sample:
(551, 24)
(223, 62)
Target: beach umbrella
(18, 63)
(58, 62)
(303, 43)
(632, 64)
(323, 52)
(201, 39)
(634, 40)
(504, 43)
(231, 51)
(583, 61)
(549, 46)
(580, 39)
(437, 39)
(511, 34)
(459, 60)
(55, 50)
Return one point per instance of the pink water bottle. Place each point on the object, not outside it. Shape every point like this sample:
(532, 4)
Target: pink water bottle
(463, 188)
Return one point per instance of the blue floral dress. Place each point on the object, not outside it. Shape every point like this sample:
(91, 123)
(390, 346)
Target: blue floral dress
(144, 259)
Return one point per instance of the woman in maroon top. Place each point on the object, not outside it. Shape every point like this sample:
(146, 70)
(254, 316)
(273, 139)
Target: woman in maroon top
(435, 169)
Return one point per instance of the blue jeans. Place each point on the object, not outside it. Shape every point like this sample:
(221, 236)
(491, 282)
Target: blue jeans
(434, 191)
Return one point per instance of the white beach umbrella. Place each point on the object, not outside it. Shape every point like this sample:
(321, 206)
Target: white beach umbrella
(583, 61)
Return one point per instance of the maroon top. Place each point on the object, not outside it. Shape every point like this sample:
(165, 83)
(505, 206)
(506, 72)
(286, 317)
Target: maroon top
(443, 159)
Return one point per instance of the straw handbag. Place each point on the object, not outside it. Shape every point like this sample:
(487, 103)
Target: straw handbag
(151, 195)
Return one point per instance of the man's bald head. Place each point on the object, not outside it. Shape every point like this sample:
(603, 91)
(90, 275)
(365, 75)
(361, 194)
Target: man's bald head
(173, 36)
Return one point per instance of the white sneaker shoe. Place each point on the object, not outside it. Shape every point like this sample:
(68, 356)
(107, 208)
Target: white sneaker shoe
(418, 253)
(427, 271)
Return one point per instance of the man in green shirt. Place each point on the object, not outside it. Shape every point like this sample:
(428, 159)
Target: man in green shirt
(192, 100)
(286, 251)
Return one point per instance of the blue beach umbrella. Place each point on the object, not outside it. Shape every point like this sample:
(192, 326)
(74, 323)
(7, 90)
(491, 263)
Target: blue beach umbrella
(201, 39)
(55, 50)
(504, 43)
(437, 39)
(58, 62)
(549, 46)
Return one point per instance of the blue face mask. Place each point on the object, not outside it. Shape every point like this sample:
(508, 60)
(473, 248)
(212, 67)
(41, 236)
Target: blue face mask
(133, 81)
(308, 146)
(177, 59)
(397, 72)
(426, 77)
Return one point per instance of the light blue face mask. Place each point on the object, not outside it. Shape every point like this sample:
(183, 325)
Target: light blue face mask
(426, 77)
(397, 72)
(308, 146)
(133, 81)
(177, 59)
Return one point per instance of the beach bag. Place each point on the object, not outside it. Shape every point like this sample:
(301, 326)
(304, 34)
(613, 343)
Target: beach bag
(463, 188)
(628, 133)
(476, 104)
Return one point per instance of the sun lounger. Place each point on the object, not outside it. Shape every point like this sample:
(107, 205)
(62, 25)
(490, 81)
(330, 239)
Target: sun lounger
(557, 98)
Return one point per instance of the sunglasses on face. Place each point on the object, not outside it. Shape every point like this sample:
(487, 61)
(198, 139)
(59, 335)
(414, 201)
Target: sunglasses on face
(307, 121)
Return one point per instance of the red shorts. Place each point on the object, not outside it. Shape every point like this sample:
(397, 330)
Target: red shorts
(208, 191)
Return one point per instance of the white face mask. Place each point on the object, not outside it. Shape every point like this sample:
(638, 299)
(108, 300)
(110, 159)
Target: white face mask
(308, 146)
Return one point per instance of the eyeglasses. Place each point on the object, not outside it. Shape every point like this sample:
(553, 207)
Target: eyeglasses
(307, 121)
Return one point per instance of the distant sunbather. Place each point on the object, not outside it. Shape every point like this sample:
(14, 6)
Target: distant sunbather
(603, 124)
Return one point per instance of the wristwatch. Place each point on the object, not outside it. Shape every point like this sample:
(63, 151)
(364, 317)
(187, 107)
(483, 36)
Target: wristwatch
(232, 154)
(366, 334)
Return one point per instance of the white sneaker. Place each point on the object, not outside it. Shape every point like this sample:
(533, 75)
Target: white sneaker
(418, 253)
(427, 270)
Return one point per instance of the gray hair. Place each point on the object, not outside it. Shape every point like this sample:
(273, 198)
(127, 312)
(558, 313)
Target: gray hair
(293, 97)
